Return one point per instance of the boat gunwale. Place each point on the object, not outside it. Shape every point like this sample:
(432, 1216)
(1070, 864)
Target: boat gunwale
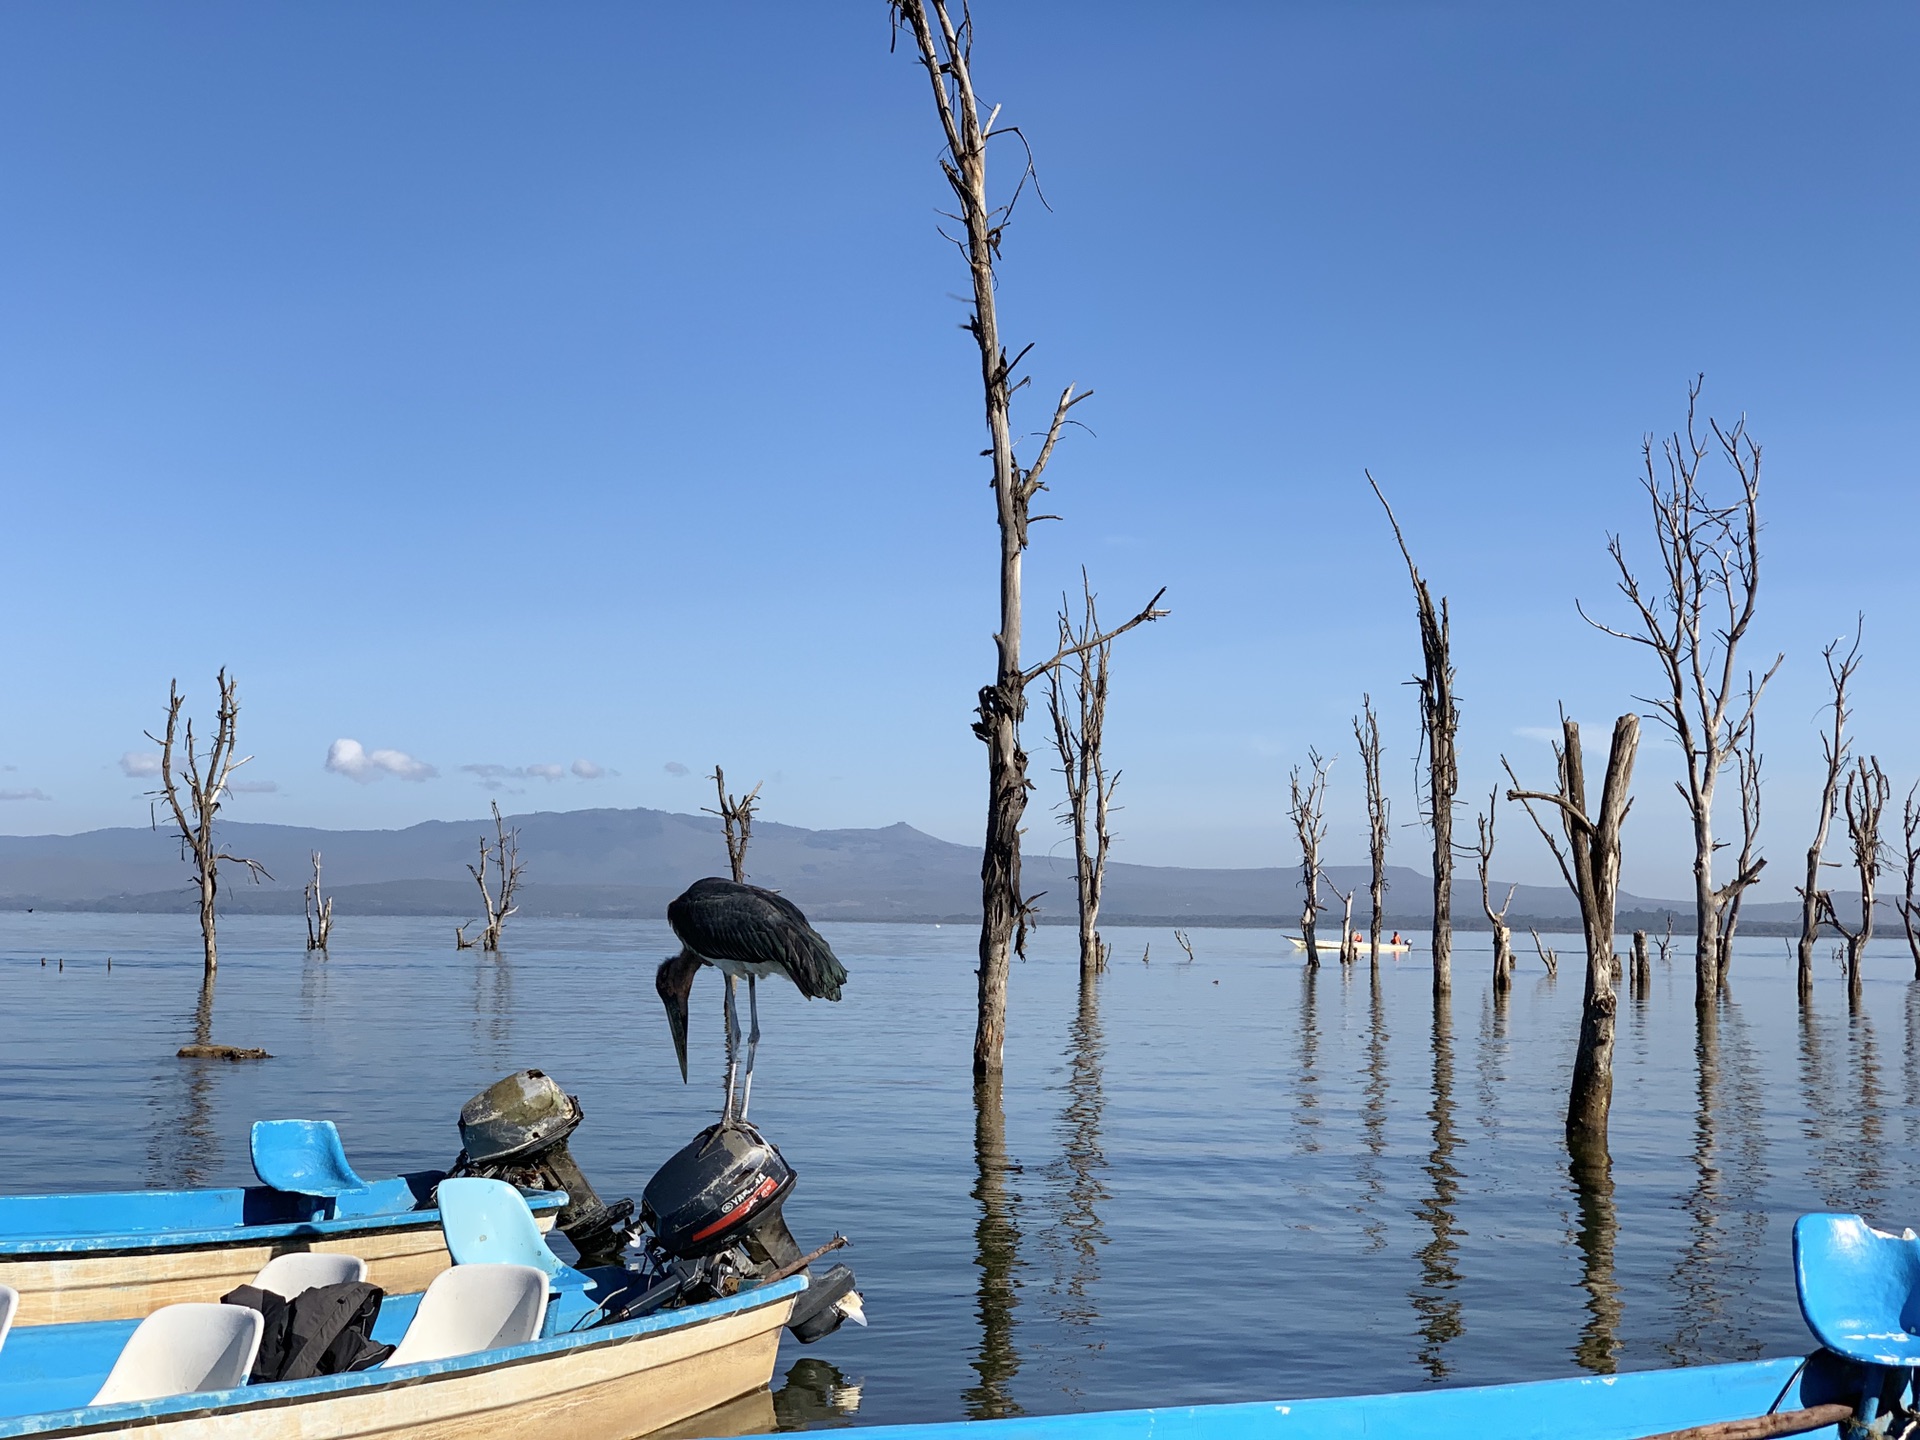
(244, 1399)
(106, 1244)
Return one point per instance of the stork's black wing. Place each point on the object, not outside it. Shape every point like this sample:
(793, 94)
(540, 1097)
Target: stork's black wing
(725, 920)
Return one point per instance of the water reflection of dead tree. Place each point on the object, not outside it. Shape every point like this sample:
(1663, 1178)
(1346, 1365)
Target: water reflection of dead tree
(1865, 799)
(1434, 1302)
(1307, 806)
(205, 776)
(1591, 867)
(1079, 729)
(1306, 1105)
(996, 1237)
(1373, 1117)
(1502, 934)
(1366, 733)
(1439, 728)
(1825, 1124)
(945, 49)
(1834, 747)
(1693, 622)
(1591, 1169)
(319, 910)
(1726, 1205)
(1080, 1174)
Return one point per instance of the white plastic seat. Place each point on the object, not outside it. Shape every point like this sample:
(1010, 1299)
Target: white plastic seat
(302, 1270)
(474, 1307)
(183, 1349)
(9, 1303)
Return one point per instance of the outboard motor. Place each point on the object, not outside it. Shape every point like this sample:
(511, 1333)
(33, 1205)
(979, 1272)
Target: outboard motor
(714, 1211)
(516, 1130)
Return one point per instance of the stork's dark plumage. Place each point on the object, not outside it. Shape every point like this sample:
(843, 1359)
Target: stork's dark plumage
(741, 930)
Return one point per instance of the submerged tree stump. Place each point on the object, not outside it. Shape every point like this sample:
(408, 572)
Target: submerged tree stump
(222, 1052)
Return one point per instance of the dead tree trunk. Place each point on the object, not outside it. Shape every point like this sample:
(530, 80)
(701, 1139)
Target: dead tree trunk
(1439, 727)
(736, 818)
(204, 775)
(1865, 798)
(945, 50)
(1834, 746)
(1746, 771)
(319, 910)
(1642, 964)
(1079, 727)
(1693, 624)
(1366, 732)
(1306, 808)
(1502, 933)
(503, 856)
(1591, 867)
(1910, 872)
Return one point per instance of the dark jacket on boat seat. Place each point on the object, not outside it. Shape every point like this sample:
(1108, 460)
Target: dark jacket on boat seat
(327, 1330)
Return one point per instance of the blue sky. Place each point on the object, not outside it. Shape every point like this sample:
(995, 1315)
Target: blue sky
(506, 385)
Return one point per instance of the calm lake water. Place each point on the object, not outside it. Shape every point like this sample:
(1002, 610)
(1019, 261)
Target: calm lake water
(1223, 1180)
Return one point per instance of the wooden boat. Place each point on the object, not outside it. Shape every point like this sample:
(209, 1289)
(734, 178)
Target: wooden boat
(1365, 947)
(119, 1255)
(608, 1383)
(1596, 1407)
(1858, 1288)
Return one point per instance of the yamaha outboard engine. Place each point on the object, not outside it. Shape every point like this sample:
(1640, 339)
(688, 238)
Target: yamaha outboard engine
(714, 1210)
(516, 1130)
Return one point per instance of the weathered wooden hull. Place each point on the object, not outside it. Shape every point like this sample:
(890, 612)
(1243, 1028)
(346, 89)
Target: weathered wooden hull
(625, 1381)
(64, 1287)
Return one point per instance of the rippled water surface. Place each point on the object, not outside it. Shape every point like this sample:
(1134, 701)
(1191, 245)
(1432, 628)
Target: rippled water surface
(1221, 1180)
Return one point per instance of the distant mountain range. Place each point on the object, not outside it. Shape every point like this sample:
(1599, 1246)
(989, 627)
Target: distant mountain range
(618, 863)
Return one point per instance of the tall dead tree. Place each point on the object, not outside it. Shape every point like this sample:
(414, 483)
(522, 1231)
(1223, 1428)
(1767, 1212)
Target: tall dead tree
(502, 859)
(1439, 728)
(1307, 806)
(204, 774)
(1746, 774)
(1079, 727)
(1907, 905)
(736, 819)
(1834, 746)
(1497, 919)
(1590, 864)
(946, 51)
(319, 910)
(1366, 733)
(1864, 799)
(1693, 622)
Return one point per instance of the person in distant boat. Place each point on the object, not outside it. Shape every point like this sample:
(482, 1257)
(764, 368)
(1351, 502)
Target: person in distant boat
(1396, 937)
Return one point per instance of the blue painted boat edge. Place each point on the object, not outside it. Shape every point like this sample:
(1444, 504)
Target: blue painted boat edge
(1583, 1407)
(539, 1202)
(91, 1418)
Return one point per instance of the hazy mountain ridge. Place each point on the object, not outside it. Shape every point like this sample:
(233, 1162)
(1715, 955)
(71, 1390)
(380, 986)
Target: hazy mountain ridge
(631, 862)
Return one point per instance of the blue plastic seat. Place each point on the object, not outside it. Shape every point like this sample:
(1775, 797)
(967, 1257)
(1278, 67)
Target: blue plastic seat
(1859, 1288)
(486, 1222)
(306, 1157)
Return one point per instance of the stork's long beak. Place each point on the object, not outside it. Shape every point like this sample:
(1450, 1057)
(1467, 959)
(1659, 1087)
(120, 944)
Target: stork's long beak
(674, 981)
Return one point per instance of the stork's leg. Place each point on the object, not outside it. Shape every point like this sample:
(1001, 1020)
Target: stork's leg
(753, 1044)
(733, 1047)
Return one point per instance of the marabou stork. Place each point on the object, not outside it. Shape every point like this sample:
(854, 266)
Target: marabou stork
(741, 930)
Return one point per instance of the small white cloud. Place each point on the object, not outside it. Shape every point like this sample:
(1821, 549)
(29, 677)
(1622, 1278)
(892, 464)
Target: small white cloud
(254, 787)
(674, 767)
(138, 763)
(1545, 734)
(549, 773)
(591, 770)
(24, 795)
(353, 760)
